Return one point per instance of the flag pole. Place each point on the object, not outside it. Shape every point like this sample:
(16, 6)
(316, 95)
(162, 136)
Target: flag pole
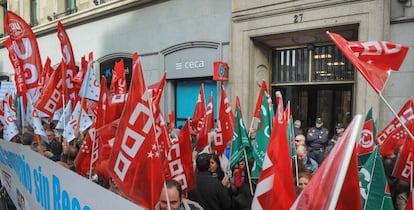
(92, 153)
(248, 171)
(396, 115)
(22, 114)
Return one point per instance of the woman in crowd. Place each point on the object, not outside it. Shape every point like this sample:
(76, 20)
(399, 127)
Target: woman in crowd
(304, 179)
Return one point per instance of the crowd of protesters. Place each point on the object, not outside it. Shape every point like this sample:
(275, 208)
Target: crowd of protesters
(217, 185)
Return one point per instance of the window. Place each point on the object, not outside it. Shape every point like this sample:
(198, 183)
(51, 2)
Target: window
(70, 6)
(33, 13)
(311, 64)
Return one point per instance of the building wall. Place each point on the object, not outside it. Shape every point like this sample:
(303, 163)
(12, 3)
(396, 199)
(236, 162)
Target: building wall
(253, 19)
(400, 85)
(147, 27)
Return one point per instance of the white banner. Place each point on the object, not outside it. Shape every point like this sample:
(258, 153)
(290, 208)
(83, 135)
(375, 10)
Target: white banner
(35, 182)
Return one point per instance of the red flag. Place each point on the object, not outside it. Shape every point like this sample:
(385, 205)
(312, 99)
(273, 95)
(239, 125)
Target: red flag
(171, 119)
(83, 158)
(161, 132)
(24, 44)
(208, 125)
(180, 160)
(366, 143)
(373, 59)
(65, 46)
(114, 107)
(101, 115)
(78, 78)
(135, 162)
(275, 189)
(225, 128)
(118, 83)
(336, 181)
(50, 98)
(199, 111)
(402, 169)
(237, 105)
(19, 76)
(105, 136)
(394, 134)
(260, 98)
(69, 60)
(348, 199)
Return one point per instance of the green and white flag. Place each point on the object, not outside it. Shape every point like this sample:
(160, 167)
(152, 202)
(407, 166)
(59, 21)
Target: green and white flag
(264, 114)
(374, 189)
(240, 139)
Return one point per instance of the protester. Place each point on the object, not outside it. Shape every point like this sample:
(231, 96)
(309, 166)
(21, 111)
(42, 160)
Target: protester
(302, 154)
(304, 178)
(56, 150)
(209, 191)
(339, 131)
(300, 139)
(27, 138)
(317, 139)
(242, 197)
(173, 196)
(297, 128)
(215, 167)
(50, 133)
(399, 189)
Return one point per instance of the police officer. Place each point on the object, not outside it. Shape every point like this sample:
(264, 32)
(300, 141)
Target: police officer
(317, 139)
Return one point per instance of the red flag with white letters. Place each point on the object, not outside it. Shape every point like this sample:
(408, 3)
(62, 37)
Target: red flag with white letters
(135, 163)
(208, 125)
(180, 160)
(224, 132)
(118, 82)
(114, 106)
(24, 44)
(394, 134)
(402, 169)
(50, 98)
(85, 155)
(199, 111)
(374, 59)
(69, 60)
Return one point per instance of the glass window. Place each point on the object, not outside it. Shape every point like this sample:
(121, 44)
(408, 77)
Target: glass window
(329, 63)
(291, 65)
(323, 63)
(71, 6)
(33, 13)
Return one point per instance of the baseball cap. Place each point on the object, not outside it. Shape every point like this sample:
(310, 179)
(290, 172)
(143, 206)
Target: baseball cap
(319, 120)
(339, 125)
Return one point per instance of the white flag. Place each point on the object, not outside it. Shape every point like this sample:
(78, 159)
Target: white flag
(9, 121)
(84, 123)
(65, 116)
(34, 120)
(90, 87)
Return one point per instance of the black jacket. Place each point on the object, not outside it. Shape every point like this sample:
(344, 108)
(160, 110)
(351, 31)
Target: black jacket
(210, 193)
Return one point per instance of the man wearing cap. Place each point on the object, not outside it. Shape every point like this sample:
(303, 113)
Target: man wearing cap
(339, 131)
(317, 140)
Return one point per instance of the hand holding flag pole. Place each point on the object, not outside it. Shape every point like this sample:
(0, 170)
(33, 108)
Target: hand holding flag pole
(374, 60)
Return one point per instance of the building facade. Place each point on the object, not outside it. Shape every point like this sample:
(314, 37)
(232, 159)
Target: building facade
(181, 37)
(284, 42)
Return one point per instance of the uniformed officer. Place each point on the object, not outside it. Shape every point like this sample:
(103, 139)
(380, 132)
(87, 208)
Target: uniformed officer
(317, 139)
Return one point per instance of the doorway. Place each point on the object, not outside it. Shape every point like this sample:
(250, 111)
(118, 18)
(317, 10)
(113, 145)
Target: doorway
(333, 103)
